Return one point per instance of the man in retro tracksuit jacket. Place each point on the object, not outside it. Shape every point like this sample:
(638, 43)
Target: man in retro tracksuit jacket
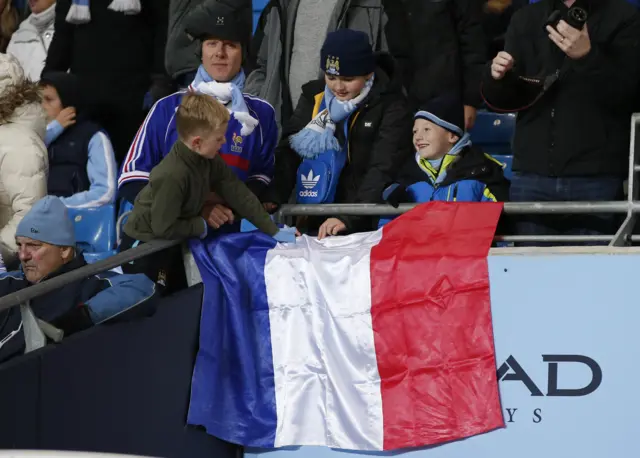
(219, 28)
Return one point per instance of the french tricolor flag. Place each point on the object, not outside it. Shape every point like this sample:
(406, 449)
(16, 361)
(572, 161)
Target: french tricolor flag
(372, 341)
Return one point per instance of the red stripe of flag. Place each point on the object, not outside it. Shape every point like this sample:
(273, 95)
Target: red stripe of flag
(431, 317)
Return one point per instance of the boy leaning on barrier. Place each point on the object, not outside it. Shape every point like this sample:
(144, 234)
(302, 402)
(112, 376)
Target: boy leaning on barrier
(172, 205)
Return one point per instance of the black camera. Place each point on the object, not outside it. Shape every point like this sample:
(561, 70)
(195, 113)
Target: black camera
(576, 17)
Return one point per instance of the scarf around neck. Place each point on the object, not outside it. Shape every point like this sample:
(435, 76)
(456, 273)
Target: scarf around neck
(80, 13)
(229, 94)
(436, 169)
(319, 135)
(44, 19)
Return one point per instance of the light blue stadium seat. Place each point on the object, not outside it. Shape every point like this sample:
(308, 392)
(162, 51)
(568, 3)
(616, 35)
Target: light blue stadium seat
(493, 132)
(508, 162)
(95, 231)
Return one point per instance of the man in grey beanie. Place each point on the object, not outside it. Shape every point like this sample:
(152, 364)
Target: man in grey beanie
(46, 249)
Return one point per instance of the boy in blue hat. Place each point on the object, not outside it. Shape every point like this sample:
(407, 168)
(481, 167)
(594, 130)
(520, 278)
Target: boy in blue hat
(446, 167)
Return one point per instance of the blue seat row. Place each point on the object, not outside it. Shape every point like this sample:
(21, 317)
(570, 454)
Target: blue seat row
(95, 231)
(493, 132)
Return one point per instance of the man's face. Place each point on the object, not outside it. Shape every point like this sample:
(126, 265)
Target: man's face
(222, 59)
(38, 6)
(40, 259)
(51, 102)
(432, 141)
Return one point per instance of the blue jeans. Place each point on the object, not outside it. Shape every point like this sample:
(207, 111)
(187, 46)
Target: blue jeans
(529, 187)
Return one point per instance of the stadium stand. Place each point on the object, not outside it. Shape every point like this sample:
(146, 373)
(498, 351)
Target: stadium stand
(95, 231)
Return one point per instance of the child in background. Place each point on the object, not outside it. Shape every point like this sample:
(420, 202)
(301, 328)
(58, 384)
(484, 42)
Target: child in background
(172, 205)
(446, 166)
(82, 165)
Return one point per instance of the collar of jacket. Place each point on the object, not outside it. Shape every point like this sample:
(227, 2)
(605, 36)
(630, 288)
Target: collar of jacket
(189, 156)
(473, 164)
(77, 262)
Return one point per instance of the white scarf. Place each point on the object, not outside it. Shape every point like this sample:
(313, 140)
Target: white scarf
(44, 19)
(231, 97)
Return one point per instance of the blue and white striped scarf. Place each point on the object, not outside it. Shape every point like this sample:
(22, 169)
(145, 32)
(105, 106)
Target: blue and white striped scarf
(79, 12)
(319, 135)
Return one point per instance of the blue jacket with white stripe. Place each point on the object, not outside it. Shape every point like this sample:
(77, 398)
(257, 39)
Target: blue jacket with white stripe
(251, 157)
(82, 165)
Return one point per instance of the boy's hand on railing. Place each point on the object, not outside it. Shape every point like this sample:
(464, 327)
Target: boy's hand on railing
(217, 215)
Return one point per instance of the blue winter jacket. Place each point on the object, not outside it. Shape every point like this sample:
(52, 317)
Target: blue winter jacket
(465, 175)
(73, 307)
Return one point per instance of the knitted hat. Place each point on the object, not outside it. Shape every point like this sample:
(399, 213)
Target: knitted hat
(446, 111)
(48, 222)
(347, 52)
(217, 19)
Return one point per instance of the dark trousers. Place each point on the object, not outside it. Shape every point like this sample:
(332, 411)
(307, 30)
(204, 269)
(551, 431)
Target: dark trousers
(529, 187)
(165, 268)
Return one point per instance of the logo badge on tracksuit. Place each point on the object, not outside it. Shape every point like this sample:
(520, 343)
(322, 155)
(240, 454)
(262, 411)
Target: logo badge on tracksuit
(309, 182)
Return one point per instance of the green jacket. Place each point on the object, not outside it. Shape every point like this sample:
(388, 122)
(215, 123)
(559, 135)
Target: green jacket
(169, 206)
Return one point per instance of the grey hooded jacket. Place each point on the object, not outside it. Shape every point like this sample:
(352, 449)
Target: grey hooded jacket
(269, 80)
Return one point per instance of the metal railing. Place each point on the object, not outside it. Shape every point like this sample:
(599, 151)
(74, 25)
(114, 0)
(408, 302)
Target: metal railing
(35, 330)
(630, 207)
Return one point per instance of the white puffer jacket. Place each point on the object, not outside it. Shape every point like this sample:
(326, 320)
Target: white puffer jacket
(30, 43)
(23, 157)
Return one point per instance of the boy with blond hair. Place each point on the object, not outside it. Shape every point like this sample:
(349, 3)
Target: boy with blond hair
(171, 205)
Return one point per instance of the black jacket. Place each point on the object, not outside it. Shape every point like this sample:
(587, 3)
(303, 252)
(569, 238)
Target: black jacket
(581, 125)
(379, 142)
(64, 307)
(440, 47)
(115, 54)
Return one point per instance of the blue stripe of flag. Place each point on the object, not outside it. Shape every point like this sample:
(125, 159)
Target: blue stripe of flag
(233, 390)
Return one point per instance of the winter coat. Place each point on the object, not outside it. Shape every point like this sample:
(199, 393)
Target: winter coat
(169, 207)
(469, 176)
(23, 155)
(379, 142)
(30, 43)
(273, 43)
(82, 166)
(440, 47)
(580, 126)
(73, 307)
(115, 53)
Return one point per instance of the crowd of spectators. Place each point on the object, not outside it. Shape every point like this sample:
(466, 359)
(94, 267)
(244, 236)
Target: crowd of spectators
(328, 101)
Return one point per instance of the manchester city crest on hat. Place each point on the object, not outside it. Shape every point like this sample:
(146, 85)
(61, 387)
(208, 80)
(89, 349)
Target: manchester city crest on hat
(332, 66)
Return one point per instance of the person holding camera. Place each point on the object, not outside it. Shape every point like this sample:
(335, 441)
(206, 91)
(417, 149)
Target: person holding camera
(570, 69)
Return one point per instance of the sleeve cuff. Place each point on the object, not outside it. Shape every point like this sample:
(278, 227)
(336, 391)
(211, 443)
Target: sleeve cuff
(206, 229)
(588, 62)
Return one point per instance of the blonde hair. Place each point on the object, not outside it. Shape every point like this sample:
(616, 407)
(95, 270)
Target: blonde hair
(199, 114)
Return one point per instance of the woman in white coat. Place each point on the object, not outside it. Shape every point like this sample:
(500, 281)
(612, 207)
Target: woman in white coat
(30, 43)
(23, 156)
